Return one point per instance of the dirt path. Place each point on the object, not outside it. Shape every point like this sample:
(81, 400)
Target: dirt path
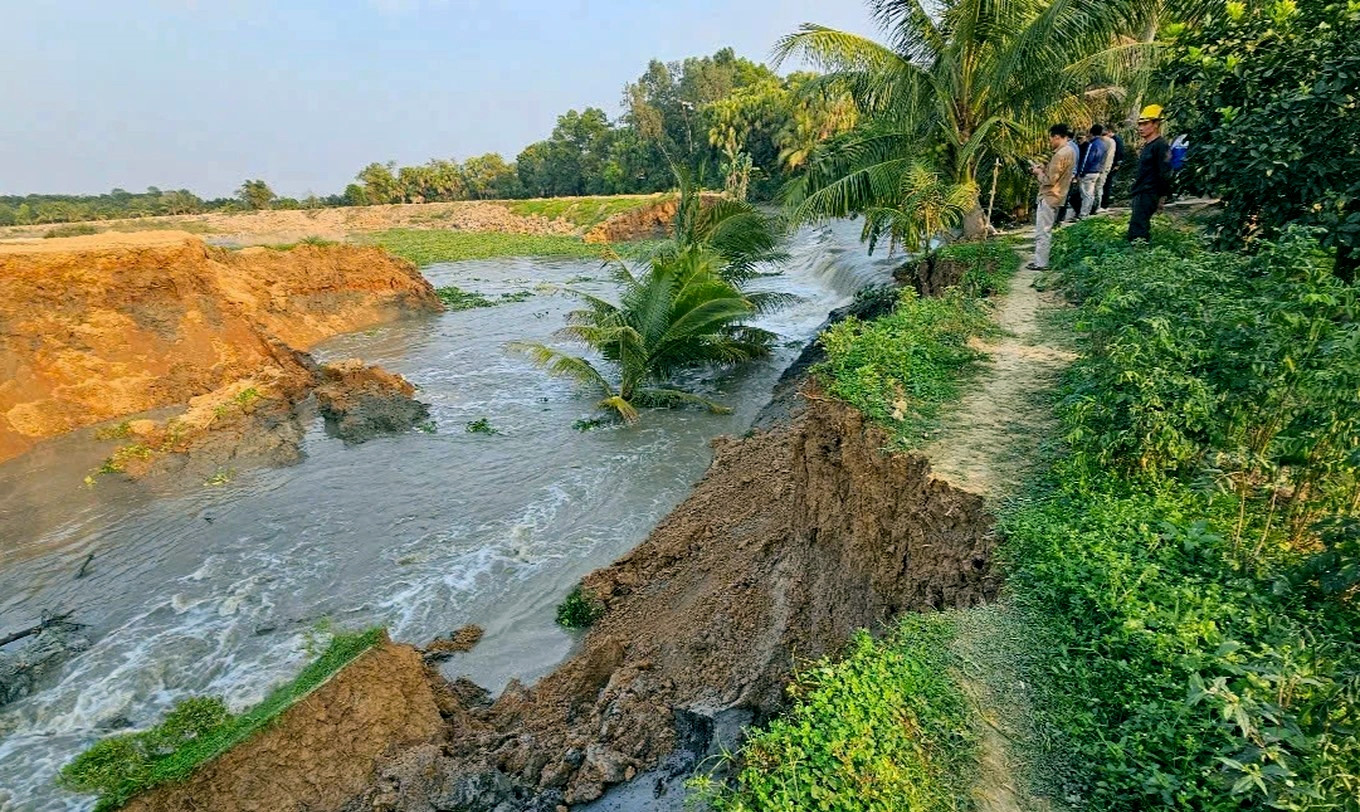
(988, 447)
(991, 438)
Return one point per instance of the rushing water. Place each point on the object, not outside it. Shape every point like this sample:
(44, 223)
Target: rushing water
(221, 589)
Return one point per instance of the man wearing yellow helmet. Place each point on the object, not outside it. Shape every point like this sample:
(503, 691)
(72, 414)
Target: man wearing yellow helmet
(1153, 183)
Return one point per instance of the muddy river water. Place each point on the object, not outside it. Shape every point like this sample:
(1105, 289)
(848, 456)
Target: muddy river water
(224, 588)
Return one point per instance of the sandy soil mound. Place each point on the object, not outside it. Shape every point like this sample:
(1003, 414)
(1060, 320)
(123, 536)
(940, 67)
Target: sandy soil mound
(322, 750)
(97, 327)
(272, 227)
(794, 539)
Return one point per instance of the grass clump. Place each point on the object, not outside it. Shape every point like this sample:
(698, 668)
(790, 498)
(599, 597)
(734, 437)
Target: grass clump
(117, 462)
(900, 369)
(455, 298)
(71, 230)
(426, 247)
(886, 727)
(196, 730)
(481, 426)
(118, 431)
(579, 610)
(1194, 561)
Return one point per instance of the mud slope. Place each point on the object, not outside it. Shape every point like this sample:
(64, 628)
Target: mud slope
(794, 538)
(93, 328)
(323, 749)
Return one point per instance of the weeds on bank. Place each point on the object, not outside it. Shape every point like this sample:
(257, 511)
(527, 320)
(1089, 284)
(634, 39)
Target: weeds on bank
(583, 212)
(1194, 560)
(196, 730)
(885, 727)
(71, 230)
(902, 368)
(579, 610)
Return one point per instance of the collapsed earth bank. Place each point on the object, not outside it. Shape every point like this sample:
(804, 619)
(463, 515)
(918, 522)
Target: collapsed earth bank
(796, 537)
(95, 328)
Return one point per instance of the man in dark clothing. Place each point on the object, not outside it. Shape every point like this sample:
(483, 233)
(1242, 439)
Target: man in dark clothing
(1118, 161)
(1153, 183)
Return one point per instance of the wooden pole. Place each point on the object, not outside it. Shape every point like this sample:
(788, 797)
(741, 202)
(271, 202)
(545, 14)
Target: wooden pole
(996, 172)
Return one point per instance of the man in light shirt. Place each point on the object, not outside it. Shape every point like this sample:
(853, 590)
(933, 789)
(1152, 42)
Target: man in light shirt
(1054, 181)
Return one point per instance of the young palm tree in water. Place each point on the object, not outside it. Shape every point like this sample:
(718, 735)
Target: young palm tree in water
(680, 309)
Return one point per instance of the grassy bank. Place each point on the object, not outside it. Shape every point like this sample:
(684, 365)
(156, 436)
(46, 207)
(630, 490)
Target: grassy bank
(885, 727)
(1192, 556)
(426, 247)
(583, 212)
(196, 730)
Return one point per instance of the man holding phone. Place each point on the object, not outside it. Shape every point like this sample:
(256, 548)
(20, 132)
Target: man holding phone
(1054, 181)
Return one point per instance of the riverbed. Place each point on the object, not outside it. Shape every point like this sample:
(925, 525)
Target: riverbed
(225, 588)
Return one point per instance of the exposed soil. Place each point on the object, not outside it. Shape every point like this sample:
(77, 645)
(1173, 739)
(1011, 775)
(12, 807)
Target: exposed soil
(262, 419)
(98, 327)
(643, 223)
(322, 750)
(794, 539)
(465, 639)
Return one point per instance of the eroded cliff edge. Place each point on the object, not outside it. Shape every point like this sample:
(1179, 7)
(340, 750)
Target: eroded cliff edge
(95, 328)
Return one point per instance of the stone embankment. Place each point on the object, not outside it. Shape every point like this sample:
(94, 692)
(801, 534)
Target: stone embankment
(100, 327)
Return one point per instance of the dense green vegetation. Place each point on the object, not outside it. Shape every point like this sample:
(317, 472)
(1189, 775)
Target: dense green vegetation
(882, 728)
(195, 731)
(1193, 558)
(1267, 93)
(902, 368)
(427, 246)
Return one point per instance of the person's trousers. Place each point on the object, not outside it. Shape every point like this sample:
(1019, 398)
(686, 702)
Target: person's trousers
(1090, 186)
(1070, 210)
(1044, 216)
(1108, 190)
(1140, 224)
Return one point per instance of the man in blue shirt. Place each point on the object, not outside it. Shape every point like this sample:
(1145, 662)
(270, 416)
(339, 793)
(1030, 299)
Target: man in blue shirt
(1089, 174)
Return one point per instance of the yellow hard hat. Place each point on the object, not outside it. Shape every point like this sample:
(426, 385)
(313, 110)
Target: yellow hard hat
(1153, 112)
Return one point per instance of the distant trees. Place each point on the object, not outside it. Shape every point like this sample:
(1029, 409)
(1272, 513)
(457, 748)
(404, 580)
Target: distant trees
(711, 116)
(255, 195)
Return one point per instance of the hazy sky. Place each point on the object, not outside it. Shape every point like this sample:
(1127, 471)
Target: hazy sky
(303, 93)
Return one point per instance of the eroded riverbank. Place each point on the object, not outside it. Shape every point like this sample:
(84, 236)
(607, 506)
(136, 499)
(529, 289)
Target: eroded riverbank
(216, 589)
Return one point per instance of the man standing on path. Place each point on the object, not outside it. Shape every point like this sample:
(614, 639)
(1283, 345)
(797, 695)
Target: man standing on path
(1092, 172)
(1054, 181)
(1153, 183)
(1103, 179)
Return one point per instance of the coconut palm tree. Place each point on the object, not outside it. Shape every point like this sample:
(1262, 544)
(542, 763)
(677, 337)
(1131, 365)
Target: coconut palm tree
(947, 93)
(679, 313)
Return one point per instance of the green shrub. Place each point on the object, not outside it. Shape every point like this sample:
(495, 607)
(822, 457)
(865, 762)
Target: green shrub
(1204, 643)
(990, 265)
(579, 610)
(883, 728)
(901, 368)
(195, 731)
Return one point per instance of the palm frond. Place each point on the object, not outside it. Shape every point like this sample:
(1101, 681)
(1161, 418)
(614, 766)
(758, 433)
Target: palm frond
(562, 365)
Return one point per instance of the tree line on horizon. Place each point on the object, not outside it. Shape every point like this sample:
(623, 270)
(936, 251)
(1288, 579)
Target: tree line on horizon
(725, 119)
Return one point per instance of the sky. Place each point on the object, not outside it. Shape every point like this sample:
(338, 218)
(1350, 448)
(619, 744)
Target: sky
(202, 94)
